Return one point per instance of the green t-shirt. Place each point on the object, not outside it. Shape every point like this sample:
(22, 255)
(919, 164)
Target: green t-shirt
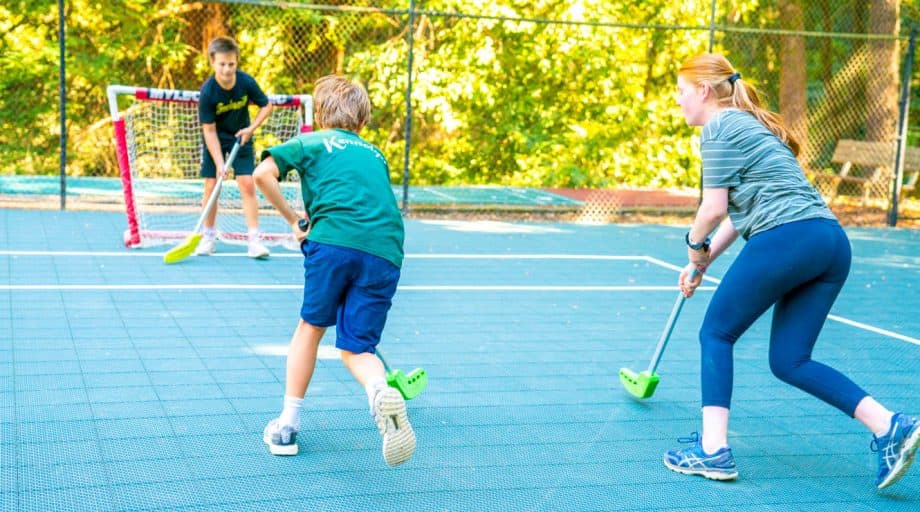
(345, 183)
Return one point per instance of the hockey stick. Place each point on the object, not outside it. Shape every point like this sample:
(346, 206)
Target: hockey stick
(187, 247)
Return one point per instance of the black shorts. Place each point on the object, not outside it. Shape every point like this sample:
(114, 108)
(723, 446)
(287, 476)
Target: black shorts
(243, 165)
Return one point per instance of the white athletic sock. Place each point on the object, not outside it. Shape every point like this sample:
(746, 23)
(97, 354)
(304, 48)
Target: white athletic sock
(209, 233)
(254, 234)
(371, 389)
(290, 414)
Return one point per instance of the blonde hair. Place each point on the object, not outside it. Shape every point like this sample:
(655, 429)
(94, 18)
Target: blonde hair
(715, 71)
(340, 103)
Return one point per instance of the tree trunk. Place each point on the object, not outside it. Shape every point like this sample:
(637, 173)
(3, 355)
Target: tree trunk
(205, 24)
(882, 83)
(793, 81)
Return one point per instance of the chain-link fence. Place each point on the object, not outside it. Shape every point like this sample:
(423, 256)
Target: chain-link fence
(566, 95)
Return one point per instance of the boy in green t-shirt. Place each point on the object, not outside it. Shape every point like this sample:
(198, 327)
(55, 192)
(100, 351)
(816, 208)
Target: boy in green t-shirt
(353, 251)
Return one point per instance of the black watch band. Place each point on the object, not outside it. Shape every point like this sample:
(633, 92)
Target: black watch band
(704, 245)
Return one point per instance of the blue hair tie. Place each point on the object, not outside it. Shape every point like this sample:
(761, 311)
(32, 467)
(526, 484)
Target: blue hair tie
(733, 77)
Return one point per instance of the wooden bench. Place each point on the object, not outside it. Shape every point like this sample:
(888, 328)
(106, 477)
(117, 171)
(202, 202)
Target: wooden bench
(869, 167)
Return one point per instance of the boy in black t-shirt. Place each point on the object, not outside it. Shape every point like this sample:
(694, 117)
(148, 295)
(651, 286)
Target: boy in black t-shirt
(223, 110)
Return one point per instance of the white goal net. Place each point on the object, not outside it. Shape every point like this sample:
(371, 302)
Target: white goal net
(159, 143)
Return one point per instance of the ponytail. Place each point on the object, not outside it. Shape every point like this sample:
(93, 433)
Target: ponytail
(715, 71)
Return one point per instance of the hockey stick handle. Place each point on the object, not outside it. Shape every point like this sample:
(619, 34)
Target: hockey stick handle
(669, 327)
(220, 179)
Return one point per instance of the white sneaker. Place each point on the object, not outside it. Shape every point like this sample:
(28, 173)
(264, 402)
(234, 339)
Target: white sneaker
(393, 424)
(257, 249)
(206, 246)
(281, 439)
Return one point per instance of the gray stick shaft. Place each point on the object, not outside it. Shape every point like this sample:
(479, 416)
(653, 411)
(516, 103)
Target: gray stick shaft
(216, 192)
(668, 329)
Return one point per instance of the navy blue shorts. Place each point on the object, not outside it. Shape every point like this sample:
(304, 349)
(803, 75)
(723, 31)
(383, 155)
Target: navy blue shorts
(243, 165)
(350, 289)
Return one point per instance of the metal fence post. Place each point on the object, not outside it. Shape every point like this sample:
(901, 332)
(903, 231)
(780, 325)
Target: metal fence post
(408, 135)
(902, 130)
(63, 103)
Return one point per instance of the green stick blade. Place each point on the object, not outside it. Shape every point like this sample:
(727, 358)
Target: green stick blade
(409, 386)
(640, 385)
(183, 250)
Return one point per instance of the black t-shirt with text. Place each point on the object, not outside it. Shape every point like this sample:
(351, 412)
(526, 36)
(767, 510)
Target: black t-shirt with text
(229, 108)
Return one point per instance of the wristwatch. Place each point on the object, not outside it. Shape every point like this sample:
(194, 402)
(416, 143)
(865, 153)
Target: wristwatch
(701, 246)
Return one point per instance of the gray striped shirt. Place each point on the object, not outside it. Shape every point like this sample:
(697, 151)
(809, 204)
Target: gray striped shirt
(766, 185)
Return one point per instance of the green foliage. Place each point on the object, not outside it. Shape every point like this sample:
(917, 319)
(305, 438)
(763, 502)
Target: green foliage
(499, 97)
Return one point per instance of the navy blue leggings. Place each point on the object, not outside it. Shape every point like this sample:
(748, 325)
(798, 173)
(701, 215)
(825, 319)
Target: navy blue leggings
(798, 268)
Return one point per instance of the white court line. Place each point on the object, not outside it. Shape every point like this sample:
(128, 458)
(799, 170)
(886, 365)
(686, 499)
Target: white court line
(860, 325)
(650, 259)
(843, 320)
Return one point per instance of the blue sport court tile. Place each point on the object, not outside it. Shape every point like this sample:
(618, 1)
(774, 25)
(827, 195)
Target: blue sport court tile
(107, 354)
(68, 412)
(205, 425)
(189, 392)
(136, 450)
(127, 380)
(173, 365)
(51, 397)
(31, 431)
(133, 428)
(61, 354)
(116, 393)
(103, 366)
(252, 390)
(152, 471)
(145, 496)
(233, 363)
(204, 407)
(47, 367)
(149, 353)
(126, 410)
(251, 375)
(259, 406)
(62, 475)
(220, 444)
(49, 382)
(98, 498)
(70, 452)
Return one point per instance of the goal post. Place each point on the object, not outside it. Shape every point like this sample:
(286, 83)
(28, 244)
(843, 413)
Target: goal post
(158, 143)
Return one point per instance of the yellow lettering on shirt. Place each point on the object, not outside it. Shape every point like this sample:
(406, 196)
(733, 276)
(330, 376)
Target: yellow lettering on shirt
(233, 105)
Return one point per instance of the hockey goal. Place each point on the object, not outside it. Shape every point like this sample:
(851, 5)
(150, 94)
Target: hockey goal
(158, 142)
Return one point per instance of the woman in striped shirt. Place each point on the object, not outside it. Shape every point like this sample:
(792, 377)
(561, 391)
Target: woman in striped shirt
(796, 259)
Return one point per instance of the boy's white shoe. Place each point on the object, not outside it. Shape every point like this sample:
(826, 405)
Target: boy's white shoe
(281, 439)
(206, 246)
(393, 424)
(257, 249)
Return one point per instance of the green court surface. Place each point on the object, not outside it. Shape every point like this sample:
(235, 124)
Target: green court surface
(127, 384)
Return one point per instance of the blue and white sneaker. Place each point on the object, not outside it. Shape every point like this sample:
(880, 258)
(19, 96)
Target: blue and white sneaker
(281, 439)
(896, 449)
(694, 461)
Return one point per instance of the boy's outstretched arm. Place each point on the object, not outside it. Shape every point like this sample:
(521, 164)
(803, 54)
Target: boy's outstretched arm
(266, 177)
